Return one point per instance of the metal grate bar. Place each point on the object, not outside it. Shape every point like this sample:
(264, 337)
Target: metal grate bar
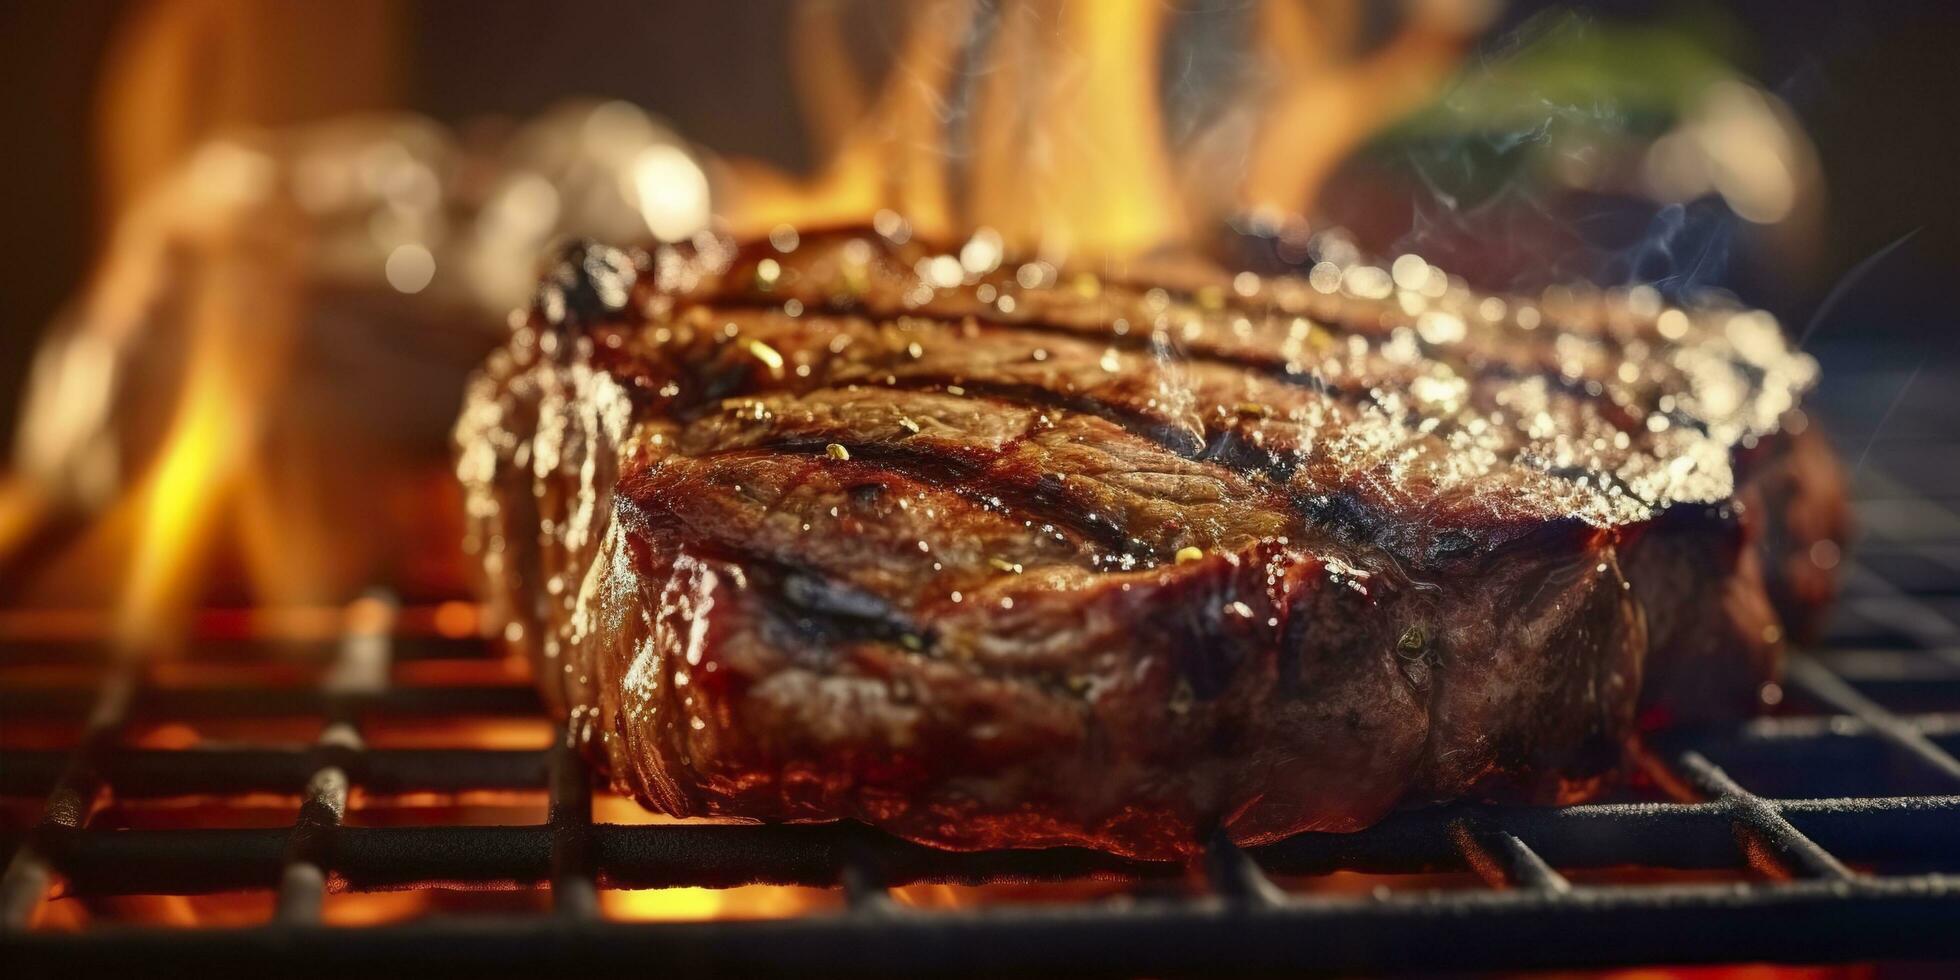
(1904, 612)
(1792, 922)
(864, 884)
(1769, 840)
(141, 774)
(31, 872)
(1234, 875)
(1800, 728)
(574, 883)
(1503, 860)
(1832, 690)
(1922, 830)
(311, 651)
(512, 701)
(361, 669)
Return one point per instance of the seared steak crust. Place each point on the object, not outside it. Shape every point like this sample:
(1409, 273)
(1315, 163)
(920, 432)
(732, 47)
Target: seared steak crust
(1008, 557)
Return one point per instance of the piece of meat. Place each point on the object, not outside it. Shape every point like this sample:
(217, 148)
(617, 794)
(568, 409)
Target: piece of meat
(1012, 557)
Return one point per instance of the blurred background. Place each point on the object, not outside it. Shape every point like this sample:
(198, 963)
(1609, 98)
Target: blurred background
(253, 249)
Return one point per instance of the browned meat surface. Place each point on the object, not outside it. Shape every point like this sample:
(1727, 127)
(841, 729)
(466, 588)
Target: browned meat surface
(1011, 557)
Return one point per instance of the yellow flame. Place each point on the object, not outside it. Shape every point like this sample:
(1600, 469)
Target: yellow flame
(240, 317)
(893, 158)
(1326, 103)
(1068, 154)
(191, 480)
(1069, 149)
(691, 904)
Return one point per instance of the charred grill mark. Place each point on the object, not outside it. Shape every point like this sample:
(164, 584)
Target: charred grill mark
(1465, 363)
(1347, 515)
(1224, 444)
(820, 612)
(1042, 502)
(1179, 441)
(1232, 449)
(1135, 342)
(1049, 501)
(1351, 318)
(1344, 516)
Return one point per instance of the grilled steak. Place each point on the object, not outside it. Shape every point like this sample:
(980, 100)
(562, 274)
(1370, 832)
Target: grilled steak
(1011, 557)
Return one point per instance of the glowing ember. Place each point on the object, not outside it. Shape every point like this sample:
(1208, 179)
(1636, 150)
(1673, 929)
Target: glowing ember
(746, 902)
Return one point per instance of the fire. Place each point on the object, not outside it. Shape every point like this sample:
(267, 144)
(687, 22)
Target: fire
(1035, 127)
(1030, 126)
(1052, 136)
(744, 902)
(200, 460)
(1326, 100)
(890, 156)
(1070, 155)
(22, 508)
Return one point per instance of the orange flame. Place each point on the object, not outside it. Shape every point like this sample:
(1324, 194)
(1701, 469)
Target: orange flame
(1038, 120)
(744, 902)
(1326, 101)
(1066, 146)
(891, 159)
(243, 313)
(1064, 154)
(1070, 155)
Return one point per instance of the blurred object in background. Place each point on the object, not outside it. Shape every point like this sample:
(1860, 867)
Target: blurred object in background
(179, 72)
(1581, 150)
(269, 355)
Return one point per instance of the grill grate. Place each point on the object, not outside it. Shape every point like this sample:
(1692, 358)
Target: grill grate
(1828, 832)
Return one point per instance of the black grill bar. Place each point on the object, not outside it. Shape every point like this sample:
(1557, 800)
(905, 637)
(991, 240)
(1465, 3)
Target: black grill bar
(1684, 837)
(1797, 922)
(140, 774)
(1819, 683)
(1234, 875)
(173, 703)
(1504, 860)
(156, 773)
(361, 668)
(1762, 826)
(1927, 627)
(574, 886)
(33, 867)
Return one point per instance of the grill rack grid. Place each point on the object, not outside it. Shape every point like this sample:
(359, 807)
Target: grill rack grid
(1869, 870)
